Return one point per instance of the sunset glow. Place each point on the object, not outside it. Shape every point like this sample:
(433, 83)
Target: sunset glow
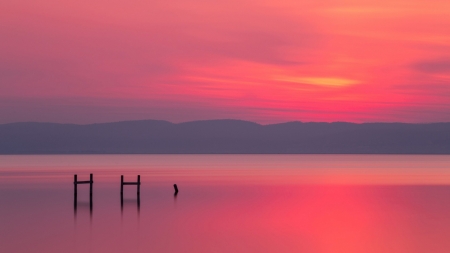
(263, 61)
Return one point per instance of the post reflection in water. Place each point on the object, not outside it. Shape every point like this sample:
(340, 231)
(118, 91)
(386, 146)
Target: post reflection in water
(75, 207)
(138, 202)
(83, 205)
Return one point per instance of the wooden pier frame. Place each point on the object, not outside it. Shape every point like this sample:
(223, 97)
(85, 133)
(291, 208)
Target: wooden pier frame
(75, 189)
(137, 183)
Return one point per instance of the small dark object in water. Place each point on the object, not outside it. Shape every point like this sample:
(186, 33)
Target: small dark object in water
(176, 188)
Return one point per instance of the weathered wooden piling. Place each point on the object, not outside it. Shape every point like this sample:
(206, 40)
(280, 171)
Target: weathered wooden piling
(75, 189)
(91, 182)
(139, 187)
(121, 185)
(75, 193)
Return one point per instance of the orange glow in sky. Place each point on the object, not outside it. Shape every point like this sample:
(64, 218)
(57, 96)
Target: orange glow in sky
(265, 61)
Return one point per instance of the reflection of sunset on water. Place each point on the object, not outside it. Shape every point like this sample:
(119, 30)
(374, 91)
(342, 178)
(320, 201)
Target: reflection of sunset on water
(227, 203)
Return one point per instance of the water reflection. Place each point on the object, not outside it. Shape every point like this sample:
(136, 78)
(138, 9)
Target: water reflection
(130, 201)
(75, 207)
(83, 206)
(233, 209)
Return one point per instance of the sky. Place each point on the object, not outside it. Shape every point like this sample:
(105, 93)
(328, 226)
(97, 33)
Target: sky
(267, 61)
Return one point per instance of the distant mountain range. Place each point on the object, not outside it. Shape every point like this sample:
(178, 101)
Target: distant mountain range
(224, 137)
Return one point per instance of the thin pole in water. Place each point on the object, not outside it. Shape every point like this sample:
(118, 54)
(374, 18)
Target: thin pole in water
(91, 183)
(75, 191)
(139, 186)
(121, 185)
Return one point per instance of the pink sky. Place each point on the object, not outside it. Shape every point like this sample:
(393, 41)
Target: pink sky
(265, 61)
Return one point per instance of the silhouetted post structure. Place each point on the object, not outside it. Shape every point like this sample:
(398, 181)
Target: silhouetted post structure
(176, 189)
(138, 184)
(75, 193)
(91, 179)
(121, 185)
(139, 187)
(75, 189)
(139, 194)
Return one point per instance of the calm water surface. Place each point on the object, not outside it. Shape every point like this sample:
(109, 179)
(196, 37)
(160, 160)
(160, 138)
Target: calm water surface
(227, 203)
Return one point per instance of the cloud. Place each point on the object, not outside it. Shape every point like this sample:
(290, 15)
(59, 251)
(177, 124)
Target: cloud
(440, 66)
(321, 81)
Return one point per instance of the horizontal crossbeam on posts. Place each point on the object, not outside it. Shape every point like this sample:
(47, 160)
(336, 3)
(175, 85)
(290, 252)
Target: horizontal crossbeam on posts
(131, 183)
(83, 182)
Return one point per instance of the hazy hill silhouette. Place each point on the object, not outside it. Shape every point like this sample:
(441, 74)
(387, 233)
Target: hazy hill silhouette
(224, 137)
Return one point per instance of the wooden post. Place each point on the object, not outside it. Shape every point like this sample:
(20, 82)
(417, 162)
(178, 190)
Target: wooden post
(91, 183)
(75, 191)
(139, 193)
(139, 186)
(121, 193)
(121, 185)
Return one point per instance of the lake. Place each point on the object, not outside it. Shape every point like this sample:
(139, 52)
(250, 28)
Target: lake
(226, 203)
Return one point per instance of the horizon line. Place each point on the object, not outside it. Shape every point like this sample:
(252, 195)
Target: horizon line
(227, 119)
